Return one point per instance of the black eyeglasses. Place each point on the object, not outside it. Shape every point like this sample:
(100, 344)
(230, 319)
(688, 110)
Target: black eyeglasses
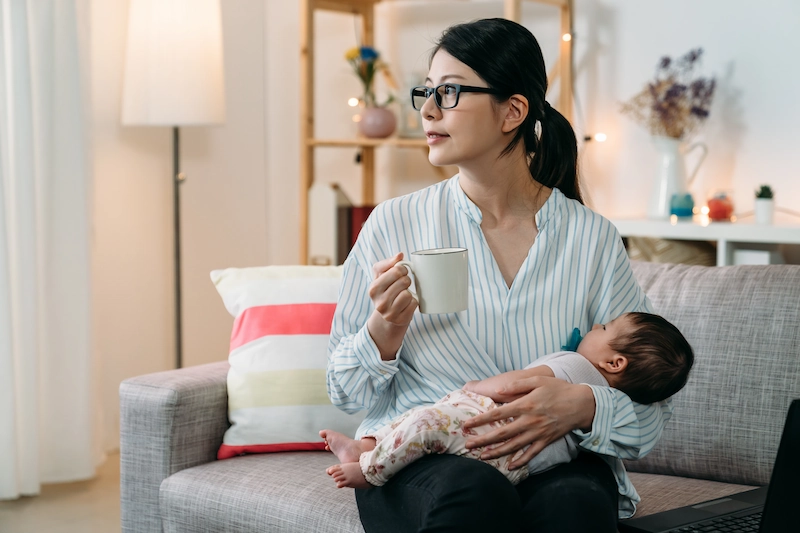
(445, 95)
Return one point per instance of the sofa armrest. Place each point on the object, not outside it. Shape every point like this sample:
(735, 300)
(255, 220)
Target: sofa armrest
(169, 421)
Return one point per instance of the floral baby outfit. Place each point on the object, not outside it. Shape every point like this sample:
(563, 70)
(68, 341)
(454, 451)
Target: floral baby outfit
(434, 429)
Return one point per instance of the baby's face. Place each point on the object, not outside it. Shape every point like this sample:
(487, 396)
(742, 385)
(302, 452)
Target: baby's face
(595, 345)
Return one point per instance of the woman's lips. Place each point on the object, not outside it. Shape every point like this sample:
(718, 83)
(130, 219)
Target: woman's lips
(435, 137)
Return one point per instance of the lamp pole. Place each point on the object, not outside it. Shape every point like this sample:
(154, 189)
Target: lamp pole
(174, 77)
(178, 177)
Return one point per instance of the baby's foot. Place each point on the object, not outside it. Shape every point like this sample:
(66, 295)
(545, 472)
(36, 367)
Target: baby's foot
(345, 448)
(348, 475)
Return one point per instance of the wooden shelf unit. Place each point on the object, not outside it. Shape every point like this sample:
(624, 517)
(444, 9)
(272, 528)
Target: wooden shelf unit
(512, 10)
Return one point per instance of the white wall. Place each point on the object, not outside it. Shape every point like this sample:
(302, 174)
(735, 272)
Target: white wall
(751, 49)
(224, 207)
(240, 202)
(131, 246)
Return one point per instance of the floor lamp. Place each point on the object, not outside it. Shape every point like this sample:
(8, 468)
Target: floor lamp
(174, 77)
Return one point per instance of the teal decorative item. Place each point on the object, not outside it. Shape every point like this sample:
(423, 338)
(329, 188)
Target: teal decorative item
(681, 205)
(574, 340)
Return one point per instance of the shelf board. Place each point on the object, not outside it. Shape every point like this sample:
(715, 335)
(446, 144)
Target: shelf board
(363, 141)
(700, 229)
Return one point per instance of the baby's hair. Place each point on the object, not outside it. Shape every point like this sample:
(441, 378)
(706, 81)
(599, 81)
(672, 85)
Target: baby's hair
(659, 358)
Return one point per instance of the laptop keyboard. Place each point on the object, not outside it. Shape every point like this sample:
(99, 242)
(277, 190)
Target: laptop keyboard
(738, 524)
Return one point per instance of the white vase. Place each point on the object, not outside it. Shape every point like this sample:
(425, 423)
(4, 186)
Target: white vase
(765, 210)
(671, 177)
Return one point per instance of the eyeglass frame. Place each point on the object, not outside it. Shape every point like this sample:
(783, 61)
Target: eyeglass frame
(431, 91)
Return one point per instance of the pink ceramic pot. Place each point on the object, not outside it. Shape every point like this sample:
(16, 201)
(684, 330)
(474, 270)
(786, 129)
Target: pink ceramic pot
(377, 122)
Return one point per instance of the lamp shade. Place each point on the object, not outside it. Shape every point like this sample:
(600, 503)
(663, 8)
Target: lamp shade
(173, 64)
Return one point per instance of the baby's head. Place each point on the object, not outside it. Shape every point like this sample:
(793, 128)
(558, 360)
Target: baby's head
(641, 354)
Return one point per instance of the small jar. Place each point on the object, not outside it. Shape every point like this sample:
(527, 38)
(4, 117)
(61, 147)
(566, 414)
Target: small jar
(681, 205)
(720, 206)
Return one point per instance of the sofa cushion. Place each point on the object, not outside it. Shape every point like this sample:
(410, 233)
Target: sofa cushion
(288, 492)
(729, 418)
(662, 493)
(277, 387)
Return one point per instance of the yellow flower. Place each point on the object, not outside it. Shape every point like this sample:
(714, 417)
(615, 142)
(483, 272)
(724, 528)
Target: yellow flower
(353, 53)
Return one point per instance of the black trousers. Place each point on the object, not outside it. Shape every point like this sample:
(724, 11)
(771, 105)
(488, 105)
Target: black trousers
(449, 493)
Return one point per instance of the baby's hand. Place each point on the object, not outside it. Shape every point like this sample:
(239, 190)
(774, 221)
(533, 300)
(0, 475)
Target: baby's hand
(486, 387)
(470, 386)
(493, 386)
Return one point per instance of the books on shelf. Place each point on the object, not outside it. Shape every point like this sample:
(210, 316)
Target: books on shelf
(334, 224)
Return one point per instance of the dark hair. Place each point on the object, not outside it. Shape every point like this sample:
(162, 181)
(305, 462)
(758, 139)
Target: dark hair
(507, 56)
(659, 358)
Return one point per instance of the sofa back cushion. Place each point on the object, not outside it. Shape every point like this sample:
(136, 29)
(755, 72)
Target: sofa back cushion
(277, 387)
(743, 323)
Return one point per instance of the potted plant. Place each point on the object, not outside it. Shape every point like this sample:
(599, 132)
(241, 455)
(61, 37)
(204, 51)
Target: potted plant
(376, 120)
(764, 205)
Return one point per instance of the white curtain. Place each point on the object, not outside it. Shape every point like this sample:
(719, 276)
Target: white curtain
(48, 430)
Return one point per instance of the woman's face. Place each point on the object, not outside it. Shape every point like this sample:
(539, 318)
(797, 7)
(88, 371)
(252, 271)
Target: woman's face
(471, 131)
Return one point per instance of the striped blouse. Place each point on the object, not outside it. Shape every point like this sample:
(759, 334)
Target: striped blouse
(576, 274)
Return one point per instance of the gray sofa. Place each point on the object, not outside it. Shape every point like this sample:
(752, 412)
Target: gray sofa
(743, 322)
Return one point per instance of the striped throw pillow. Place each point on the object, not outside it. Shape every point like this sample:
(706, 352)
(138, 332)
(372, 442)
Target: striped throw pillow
(277, 394)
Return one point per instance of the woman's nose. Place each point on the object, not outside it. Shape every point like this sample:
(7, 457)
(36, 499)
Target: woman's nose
(429, 109)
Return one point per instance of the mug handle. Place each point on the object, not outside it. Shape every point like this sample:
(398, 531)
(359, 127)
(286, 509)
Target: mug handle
(410, 269)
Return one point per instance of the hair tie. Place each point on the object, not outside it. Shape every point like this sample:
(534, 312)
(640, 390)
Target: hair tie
(545, 108)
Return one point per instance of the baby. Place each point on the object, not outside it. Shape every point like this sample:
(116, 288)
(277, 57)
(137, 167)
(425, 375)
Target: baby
(641, 354)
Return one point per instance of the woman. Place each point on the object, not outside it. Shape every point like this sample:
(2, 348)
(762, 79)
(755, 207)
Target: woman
(541, 264)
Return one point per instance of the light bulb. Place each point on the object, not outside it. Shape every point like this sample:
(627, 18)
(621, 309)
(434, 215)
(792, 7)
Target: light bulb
(566, 37)
(352, 102)
(600, 137)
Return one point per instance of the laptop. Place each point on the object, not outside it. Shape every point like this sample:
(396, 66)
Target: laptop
(770, 509)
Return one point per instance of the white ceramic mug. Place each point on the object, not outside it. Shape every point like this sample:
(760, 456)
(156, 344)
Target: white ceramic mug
(441, 276)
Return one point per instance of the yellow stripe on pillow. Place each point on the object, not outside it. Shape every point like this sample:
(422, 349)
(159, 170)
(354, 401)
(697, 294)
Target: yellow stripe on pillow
(277, 387)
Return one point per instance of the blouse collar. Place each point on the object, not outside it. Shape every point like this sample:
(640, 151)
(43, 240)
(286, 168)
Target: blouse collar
(473, 212)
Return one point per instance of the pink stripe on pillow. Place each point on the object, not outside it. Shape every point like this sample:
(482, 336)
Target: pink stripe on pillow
(289, 319)
(226, 451)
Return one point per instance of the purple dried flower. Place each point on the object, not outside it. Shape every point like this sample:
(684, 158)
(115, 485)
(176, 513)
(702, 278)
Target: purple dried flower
(675, 92)
(675, 103)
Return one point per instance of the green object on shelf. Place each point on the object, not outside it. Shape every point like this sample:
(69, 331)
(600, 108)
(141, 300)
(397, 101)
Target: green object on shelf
(765, 191)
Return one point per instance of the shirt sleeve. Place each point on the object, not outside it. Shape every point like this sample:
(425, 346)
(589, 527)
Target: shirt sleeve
(621, 428)
(356, 374)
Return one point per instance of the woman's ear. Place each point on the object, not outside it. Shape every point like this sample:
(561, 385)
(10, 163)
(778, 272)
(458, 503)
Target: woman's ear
(516, 112)
(615, 364)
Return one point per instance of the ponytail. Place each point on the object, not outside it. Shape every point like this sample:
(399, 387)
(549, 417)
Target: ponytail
(555, 160)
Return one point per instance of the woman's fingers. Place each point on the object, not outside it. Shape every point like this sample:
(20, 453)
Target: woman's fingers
(397, 289)
(532, 451)
(389, 291)
(493, 415)
(382, 266)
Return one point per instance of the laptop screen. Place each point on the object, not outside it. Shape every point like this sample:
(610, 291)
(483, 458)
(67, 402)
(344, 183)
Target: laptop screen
(784, 486)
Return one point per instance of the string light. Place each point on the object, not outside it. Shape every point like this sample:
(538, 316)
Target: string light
(599, 137)
(352, 102)
(566, 37)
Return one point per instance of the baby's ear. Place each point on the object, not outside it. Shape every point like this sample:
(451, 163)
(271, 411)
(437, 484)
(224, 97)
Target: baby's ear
(615, 364)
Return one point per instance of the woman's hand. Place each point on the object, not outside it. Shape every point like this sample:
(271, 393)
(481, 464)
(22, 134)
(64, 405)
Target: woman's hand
(394, 305)
(549, 409)
(389, 291)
